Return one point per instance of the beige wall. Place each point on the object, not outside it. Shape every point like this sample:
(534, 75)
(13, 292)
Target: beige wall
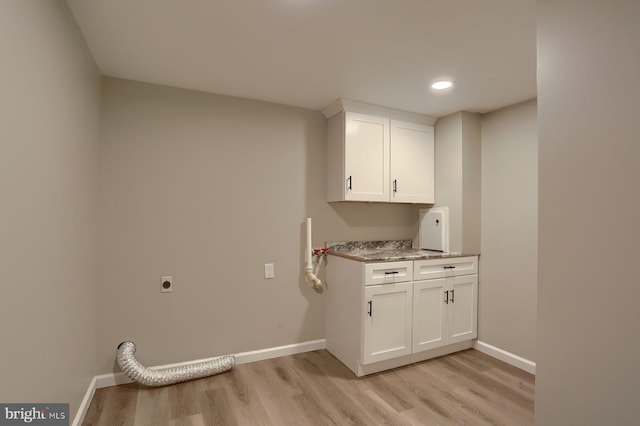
(207, 189)
(508, 266)
(471, 178)
(457, 181)
(448, 171)
(49, 116)
(589, 234)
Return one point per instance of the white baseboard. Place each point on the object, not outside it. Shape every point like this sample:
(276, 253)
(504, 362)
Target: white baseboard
(84, 405)
(111, 379)
(296, 348)
(508, 357)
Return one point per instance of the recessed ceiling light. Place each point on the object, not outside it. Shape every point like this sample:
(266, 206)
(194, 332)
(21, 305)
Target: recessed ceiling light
(442, 84)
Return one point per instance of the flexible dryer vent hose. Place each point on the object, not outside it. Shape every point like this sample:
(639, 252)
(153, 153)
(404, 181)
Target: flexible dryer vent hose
(167, 376)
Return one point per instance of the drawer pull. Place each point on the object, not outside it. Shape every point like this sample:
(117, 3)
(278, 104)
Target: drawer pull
(446, 297)
(370, 307)
(391, 273)
(449, 267)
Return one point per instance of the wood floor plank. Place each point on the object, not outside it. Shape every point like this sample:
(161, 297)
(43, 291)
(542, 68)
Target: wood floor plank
(389, 394)
(183, 400)
(194, 420)
(488, 383)
(314, 388)
(313, 411)
(434, 398)
(152, 407)
(389, 383)
(472, 353)
(119, 406)
(482, 393)
(94, 412)
(339, 406)
(266, 378)
(464, 398)
(217, 408)
(525, 388)
(508, 374)
(243, 397)
(358, 390)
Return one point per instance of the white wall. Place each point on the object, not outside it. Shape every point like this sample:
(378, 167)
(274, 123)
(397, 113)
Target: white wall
(49, 121)
(589, 194)
(208, 188)
(508, 267)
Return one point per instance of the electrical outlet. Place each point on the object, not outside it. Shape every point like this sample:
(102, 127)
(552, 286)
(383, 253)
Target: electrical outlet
(269, 271)
(166, 285)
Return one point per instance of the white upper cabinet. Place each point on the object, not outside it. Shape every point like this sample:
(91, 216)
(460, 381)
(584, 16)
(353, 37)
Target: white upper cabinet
(366, 158)
(374, 156)
(412, 163)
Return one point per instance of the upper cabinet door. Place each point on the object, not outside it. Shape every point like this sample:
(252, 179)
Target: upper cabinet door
(412, 163)
(366, 164)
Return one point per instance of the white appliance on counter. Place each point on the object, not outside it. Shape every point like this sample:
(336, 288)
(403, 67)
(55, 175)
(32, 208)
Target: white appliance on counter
(434, 229)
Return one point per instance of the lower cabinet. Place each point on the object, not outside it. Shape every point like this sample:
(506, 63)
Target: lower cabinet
(377, 317)
(387, 322)
(430, 319)
(444, 311)
(462, 321)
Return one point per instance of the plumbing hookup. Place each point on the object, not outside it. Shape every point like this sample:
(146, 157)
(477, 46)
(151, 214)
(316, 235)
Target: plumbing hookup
(311, 271)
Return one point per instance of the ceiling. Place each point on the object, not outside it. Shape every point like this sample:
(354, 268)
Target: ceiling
(307, 53)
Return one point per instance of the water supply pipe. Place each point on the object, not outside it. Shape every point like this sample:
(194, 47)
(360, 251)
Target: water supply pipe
(315, 281)
(170, 375)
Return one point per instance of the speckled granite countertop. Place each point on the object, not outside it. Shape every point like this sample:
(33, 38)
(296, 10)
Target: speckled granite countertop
(384, 251)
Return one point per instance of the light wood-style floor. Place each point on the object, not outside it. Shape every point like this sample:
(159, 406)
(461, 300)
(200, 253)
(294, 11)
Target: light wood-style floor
(314, 388)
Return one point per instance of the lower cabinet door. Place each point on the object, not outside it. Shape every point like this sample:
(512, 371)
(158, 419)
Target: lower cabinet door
(387, 321)
(463, 308)
(429, 314)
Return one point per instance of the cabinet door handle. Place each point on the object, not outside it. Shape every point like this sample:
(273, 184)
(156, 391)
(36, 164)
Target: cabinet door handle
(446, 297)
(350, 181)
(370, 307)
(453, 300)
(395, 185)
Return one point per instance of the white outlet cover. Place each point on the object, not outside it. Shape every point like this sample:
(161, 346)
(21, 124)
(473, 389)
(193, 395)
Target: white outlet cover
(166, 290)
(269, 271)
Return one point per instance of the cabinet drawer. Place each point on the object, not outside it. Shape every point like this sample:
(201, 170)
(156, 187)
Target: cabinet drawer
(449, 267)
(388, 272)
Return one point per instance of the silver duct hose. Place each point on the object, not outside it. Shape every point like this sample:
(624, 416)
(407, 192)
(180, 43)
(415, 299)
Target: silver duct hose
(167, 376)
